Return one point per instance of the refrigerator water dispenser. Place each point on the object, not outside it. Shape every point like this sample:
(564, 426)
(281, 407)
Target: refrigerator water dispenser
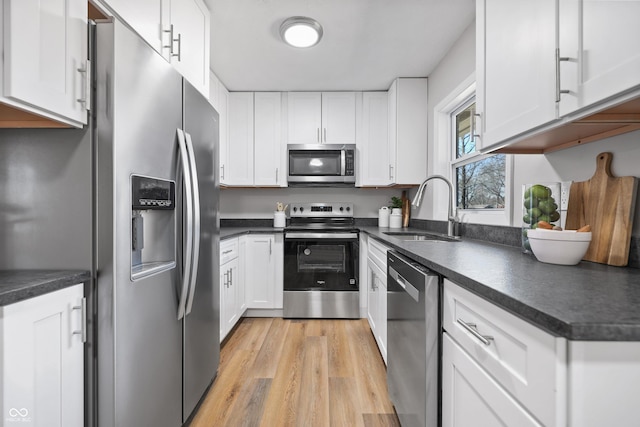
(153, 226)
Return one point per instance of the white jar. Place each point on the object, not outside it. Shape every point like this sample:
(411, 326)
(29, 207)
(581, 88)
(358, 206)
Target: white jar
(383, 217)
(395, 221)
(279, 219)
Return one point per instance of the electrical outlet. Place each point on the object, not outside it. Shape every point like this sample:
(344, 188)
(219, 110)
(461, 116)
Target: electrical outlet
(564, 195)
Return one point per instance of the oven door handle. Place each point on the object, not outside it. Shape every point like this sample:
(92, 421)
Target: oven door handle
(292, 235)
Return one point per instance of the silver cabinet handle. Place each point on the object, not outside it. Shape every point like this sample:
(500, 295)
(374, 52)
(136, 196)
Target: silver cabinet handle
(318, 135)
(474, 126)
(390, 172)
(558, 60)
(83, 316)
(227, 251)
(325, 135)
(276, 175)
(172, 40)
(222, 170)
(472, 329)
(85, 70)
(270, 247)
(179, 54)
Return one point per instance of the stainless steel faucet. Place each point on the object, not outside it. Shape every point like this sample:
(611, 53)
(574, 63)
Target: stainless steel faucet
(452, 220)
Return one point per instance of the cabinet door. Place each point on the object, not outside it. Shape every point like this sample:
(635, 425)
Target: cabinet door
(260, 272)
(304, 117)
(600, 38)
(393, 129)
(223, 111)
(239, 170)
(228, 297)
(267, 139)
(45, 56)
(43, 358)
(339, 118)
(515, 67)
(470, 397)
(375, 167)
(409, 112)
(190, 20)
(372, 299)
(148, 18)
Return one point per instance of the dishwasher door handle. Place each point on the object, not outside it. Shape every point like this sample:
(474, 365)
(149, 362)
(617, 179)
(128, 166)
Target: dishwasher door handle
(406, 285)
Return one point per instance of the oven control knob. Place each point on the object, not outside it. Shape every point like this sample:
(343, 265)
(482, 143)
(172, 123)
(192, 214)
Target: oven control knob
(301, 209)
(307, 251)
(295, 209)
(341, 208)
(348, 208)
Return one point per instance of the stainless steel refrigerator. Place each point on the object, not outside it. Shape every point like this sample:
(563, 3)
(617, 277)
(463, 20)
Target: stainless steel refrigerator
(132, 197)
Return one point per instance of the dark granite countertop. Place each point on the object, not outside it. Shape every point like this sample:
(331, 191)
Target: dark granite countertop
(18, 285)
(586, 302)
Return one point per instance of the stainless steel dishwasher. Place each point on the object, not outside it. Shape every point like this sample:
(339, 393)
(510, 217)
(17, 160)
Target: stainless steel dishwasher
(413, 341)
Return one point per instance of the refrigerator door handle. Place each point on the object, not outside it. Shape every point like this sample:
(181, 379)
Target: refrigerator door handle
(187, 260)
(196, 223)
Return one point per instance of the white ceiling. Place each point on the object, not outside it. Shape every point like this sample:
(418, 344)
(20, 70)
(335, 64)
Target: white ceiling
(366, 43)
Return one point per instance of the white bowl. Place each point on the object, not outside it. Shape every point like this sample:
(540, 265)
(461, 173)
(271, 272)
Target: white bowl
(566, 247)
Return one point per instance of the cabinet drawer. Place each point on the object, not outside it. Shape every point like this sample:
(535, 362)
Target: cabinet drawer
(377, 252)
(522, 358)
(228, 250)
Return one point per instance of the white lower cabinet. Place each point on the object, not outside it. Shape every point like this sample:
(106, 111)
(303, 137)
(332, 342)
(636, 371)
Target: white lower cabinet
(499, 370)
(377, 293)
(263, 272)
(232, 302)
(42, 356)
(470, 397)
(497, 360)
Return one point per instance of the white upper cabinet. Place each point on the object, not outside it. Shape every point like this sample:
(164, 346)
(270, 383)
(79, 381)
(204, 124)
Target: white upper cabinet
(268, 150)
(374, 151)
(189, 49)
(600, 48)
(44, 62)
(515, 73)
(239, 151)
(219, 98)
(544, 69)
(253, 151)
(149, 18)
(339, 117)
(408, 130)
(178, 29)
(318, 118)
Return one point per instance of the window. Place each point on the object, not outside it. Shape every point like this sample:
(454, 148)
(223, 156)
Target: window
(480, 180)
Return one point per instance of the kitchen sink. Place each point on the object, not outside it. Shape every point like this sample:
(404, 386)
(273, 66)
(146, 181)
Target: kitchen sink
(421, 236)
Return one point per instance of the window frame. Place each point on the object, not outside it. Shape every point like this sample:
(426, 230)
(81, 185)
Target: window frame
(462, 96)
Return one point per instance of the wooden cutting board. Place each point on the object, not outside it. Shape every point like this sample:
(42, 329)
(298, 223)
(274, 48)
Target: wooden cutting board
(607, 204)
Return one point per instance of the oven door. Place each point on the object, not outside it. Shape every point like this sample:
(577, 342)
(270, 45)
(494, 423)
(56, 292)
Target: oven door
(321, 261)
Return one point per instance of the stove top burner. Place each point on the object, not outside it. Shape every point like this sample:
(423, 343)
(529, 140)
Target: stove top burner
(321, 216)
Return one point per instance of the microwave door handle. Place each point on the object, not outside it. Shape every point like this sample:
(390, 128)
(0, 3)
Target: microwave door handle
(196, 223)
(343, 162)
(188, 205)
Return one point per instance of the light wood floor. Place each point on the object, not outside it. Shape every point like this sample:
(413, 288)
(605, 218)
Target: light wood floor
(279, 372)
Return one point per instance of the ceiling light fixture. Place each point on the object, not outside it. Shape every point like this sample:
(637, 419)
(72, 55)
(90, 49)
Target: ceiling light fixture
(300, 31)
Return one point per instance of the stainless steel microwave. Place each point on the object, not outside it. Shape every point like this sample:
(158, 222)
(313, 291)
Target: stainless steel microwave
(321, 164)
